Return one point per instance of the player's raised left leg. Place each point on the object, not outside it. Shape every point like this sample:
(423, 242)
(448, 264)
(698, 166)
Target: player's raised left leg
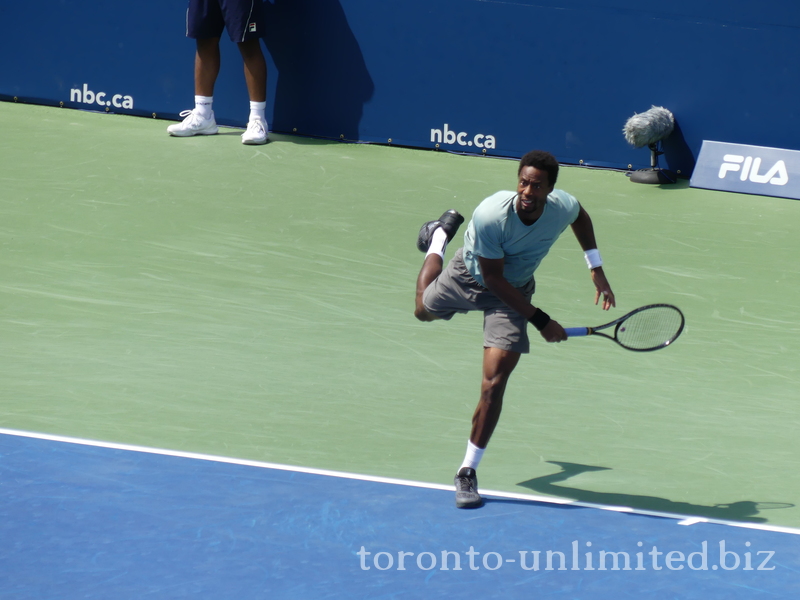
(433, 239)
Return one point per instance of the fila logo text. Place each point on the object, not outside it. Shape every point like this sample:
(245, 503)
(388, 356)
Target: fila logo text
(749, 167)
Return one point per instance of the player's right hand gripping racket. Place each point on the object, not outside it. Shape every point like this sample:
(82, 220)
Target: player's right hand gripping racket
(647, 328)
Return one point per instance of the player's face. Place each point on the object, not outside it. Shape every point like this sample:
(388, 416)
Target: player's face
(532, 191)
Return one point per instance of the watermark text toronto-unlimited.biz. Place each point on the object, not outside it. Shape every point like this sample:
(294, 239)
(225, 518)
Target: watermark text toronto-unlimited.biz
(580, 556)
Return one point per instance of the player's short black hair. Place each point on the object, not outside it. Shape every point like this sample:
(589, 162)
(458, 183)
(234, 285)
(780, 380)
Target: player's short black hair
(540, 159)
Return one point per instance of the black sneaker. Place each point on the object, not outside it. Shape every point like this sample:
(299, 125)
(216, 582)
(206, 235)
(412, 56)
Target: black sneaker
(467, 495)
(449, 221)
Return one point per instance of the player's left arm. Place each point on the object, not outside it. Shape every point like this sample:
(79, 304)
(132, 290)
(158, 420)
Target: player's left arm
(584, 232)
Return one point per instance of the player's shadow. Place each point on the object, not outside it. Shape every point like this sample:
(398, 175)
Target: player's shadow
(743, 510)
(322, 78)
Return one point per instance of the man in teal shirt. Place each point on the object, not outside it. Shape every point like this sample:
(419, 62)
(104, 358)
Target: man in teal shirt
(506, 240)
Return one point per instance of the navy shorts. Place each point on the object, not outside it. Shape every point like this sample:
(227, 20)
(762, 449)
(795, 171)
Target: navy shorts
(244, 19)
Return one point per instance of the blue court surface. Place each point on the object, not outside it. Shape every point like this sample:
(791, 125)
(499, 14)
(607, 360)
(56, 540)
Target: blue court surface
(82, 519)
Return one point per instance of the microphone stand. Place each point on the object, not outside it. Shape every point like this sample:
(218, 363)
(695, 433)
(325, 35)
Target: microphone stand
(654, 174)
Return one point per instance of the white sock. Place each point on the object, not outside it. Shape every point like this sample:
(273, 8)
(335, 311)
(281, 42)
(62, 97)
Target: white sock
(438, 243)
(473, 456)
(202, 105)
(257, 110)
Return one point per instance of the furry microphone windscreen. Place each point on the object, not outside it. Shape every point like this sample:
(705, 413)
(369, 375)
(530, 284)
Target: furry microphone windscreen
(649, 127)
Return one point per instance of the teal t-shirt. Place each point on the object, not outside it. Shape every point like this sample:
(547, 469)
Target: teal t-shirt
(496, 231)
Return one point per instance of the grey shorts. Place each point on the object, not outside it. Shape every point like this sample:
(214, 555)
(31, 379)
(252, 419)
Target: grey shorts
(456, 291)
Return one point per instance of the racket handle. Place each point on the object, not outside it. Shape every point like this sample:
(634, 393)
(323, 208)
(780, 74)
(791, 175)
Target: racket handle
(576, 331)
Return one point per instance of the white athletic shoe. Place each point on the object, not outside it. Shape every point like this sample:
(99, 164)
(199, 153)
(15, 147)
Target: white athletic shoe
(193, 124)
(256, 133)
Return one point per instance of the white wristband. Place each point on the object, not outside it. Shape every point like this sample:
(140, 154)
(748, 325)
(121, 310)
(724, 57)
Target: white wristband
(593, 259)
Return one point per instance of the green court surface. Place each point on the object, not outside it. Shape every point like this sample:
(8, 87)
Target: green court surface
(256, 302)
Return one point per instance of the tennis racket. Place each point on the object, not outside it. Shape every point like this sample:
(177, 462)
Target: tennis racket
(647, 328)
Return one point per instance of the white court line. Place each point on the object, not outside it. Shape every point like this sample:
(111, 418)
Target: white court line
(682, 519)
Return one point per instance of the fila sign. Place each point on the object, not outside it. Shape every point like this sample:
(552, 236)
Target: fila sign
(748, 170)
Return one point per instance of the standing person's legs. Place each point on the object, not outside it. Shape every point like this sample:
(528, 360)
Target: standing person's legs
(204, 23)
(255, 74)
(200, 120)
(255, 69)
(244, 20)
(206, 66)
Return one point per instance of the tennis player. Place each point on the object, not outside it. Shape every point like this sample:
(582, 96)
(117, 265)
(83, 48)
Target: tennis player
(506, 240)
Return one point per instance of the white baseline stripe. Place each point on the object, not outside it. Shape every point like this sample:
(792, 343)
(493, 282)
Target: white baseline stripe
(682, 519)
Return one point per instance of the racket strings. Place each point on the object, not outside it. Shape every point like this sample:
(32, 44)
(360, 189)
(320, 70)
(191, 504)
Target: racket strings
(652, 328)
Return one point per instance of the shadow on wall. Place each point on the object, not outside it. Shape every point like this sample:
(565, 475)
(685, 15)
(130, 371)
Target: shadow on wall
(677, 154)
(322, 79)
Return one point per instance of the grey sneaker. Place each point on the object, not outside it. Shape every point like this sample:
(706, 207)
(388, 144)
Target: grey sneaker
(193, 124)
(449, 221)
(466, 483)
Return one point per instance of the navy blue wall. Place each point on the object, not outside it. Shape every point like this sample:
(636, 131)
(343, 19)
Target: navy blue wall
(507, 75)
